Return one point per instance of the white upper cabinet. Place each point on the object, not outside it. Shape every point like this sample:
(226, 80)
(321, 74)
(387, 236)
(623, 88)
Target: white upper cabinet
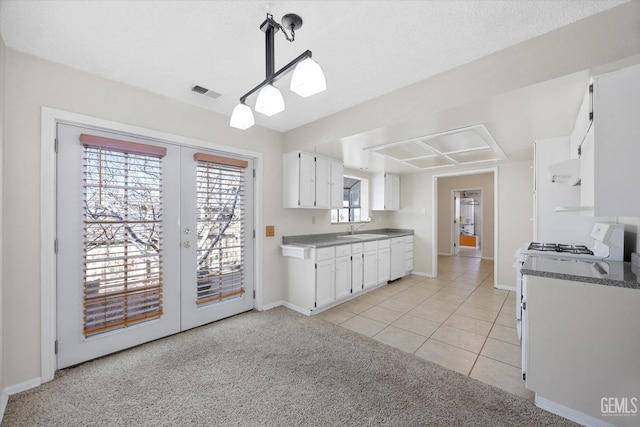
(310, 181)
(583, 123)
(385, 192)
(337, 184)
(610, 150)
(323, 182)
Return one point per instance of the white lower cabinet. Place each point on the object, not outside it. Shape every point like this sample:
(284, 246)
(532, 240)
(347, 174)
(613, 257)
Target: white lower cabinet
(356, 268)
(384, 261)
(343, 271)
(397, 258)
(339, 272)
(580, 346)
(370, 265)
(325, 276)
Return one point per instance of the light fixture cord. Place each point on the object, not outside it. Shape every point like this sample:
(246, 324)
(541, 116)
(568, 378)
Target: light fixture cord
(293, 33)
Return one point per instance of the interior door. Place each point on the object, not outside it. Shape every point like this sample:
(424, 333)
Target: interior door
(143, 250)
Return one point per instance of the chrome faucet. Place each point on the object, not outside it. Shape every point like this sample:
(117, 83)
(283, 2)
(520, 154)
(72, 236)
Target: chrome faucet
(353, 227)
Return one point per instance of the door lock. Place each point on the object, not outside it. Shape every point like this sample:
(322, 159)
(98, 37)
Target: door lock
(187, 230)
(186, 244)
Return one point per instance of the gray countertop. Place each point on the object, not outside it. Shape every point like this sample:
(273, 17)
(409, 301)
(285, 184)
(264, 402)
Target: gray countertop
(609, 273)
(332, 239)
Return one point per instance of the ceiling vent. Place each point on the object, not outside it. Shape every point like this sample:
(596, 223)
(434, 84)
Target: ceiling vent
(206, 92)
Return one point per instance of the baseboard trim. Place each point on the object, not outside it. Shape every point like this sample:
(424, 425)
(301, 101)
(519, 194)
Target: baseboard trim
(16, 388)
(488, 258)
(272, 305)
(570, 414)
(505, 287)
(4, 399)
(420, 273)
(296, 308)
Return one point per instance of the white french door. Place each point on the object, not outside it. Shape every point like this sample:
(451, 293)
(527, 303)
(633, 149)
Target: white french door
(151, 240)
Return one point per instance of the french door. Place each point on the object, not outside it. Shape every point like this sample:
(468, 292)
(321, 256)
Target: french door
(151, 240)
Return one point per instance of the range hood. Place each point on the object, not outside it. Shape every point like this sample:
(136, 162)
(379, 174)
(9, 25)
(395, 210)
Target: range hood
(567, 172)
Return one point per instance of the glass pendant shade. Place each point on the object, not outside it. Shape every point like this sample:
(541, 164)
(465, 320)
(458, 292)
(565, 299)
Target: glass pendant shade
(308, 79)
(270, 101)
(242, 117)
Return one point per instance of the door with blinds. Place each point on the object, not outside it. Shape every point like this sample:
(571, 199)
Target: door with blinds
(150, 240)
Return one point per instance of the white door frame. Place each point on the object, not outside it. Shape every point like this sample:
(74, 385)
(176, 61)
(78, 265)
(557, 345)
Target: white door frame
(434, 222)
(48, 120)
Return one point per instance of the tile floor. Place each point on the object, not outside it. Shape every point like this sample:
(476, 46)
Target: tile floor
(457, 320)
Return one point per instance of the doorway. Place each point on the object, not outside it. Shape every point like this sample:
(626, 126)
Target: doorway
(152, 240)
(443, 187)
(467, 219)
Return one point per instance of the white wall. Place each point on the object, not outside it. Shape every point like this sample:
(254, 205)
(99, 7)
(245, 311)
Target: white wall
(515, 209)
(32, 83)
(515, 215)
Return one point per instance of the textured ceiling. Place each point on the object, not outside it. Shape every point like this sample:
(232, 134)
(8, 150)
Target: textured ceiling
(366, 48)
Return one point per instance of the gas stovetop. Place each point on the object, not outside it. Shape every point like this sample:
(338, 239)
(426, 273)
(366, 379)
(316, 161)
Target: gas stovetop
(560, 248)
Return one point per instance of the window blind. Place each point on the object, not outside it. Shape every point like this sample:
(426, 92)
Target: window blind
(220, 207)
(122, 234)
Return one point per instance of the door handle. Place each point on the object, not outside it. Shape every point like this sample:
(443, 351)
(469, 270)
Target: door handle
(186, 244)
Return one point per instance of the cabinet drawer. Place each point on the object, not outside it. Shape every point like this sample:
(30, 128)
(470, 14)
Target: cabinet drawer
(325, 253)
(356, 248)
(408, 240)
(370, 246)
(343, 250)
(384, 243)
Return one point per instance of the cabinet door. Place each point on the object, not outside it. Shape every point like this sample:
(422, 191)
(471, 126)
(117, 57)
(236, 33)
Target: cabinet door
(323, 182)
(343, 277)
(325, 283)
(337, 184)
(397, 258)
(307, 179)
(384, 265)
(525, 328)
(370, 269)
(392, 192)
(587, 170)
(356, 273)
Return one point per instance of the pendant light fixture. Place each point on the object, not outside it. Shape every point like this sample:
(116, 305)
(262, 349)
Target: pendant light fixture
(307, 79)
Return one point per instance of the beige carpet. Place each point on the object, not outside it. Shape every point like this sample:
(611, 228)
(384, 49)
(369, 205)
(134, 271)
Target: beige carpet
(274, 368)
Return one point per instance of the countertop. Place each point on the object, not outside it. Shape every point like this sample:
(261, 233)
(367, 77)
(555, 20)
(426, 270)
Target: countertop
(609, 273)
(332, 239)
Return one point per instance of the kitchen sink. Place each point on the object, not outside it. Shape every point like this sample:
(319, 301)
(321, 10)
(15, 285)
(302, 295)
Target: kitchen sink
(363, 236)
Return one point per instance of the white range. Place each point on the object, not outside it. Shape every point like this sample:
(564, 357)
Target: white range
(608, 244)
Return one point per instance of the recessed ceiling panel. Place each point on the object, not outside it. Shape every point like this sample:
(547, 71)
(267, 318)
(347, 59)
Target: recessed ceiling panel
(475, 156)
(457, 141)
(457, 146)
(430, 162)
(406, 150)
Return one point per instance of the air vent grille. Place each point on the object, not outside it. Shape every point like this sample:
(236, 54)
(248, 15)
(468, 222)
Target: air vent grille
(207, 92)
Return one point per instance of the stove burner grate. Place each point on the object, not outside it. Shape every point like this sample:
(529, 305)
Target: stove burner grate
(557, 247)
